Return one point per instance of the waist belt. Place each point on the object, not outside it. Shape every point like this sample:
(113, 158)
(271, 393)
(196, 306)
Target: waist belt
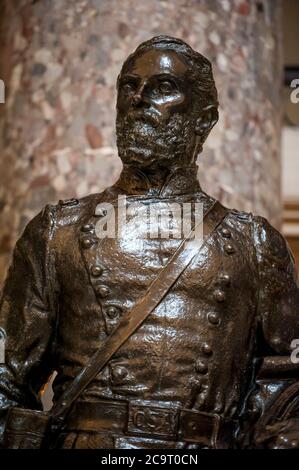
(152, 420)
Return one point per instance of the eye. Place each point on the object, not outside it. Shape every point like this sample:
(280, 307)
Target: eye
(166, 86)
(128, 87)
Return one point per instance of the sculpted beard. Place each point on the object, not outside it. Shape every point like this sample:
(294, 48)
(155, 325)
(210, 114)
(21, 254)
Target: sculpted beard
(144, 140)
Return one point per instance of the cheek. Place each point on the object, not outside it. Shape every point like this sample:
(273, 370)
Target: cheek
(172, 104)
(122, 103)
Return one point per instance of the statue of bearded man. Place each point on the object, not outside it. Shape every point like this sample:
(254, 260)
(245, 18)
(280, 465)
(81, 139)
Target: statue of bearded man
(206, 364)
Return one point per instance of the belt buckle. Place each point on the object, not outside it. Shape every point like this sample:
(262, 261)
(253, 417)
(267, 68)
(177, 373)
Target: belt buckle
(151, 420)
(199, 427)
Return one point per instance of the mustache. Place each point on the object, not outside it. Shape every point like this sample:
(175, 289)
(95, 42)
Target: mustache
(148, 117)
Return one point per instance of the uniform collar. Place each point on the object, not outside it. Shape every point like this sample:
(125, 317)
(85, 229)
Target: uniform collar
(179, 181)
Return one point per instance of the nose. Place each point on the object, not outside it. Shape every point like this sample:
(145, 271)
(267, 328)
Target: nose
(139, 97)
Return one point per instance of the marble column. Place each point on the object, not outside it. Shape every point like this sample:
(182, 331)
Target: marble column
(59, 61)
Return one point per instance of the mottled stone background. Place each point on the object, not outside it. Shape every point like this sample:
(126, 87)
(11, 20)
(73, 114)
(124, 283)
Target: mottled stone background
(60, 60)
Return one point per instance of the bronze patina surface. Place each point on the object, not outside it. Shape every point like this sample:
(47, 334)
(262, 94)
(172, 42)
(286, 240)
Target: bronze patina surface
(210, 366)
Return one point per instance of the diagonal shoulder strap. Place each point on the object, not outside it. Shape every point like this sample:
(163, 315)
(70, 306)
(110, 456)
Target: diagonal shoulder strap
(132, 319)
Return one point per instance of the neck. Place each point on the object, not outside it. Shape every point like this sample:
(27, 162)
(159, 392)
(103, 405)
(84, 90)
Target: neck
(159, 181)
(156, 176)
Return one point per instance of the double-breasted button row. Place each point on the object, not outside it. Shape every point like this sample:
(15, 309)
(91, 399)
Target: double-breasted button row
(228, 247)
(96, 270)
(88, 241)
(219, 295)
(103, 291)
(201, 365)
(223, 282)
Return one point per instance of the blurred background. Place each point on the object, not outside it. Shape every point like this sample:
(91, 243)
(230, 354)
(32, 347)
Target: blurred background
(59, 61)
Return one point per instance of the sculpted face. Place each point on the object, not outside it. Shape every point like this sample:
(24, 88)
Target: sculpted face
(155, 84)
(154, 110)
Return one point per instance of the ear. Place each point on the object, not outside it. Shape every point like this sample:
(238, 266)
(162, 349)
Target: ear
(207, 120)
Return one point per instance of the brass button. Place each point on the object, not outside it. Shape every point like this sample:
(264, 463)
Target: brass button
(225, 232)
(87, 242)
(214, 318)
(219, 295)
(225, 278)
(119, 372)
(96, 271)
(206, 349)
(112, 312)
(103, 291)
(229, 249)
(201, 367)
(87, 228)
(195, 383)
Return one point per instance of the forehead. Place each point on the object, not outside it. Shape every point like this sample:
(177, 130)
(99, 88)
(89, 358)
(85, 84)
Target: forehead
(155, 61)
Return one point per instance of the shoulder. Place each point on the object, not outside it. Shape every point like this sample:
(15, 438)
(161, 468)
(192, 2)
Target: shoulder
(72, 211)
(273, 254)
(239, 223)
(234, 218)
(260, 230)
(257, 231)
(65, 213)
(39, 228)
(239, 218)
(269, 241)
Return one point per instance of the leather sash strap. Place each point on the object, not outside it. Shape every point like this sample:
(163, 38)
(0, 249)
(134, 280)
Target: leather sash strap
(134, 318)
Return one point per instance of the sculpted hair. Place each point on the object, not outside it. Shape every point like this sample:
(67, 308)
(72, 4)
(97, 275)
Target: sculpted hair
(200, 68)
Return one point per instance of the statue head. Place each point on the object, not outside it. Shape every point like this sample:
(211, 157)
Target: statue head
(166, 104)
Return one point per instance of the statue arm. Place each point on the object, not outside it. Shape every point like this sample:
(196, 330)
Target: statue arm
(278, 313)
(278, 306)
(27, 316)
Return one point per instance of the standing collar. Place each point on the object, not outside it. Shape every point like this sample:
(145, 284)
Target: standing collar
(180, 180)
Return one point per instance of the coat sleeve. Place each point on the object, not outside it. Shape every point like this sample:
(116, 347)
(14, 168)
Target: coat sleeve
(28, 316)
(278, 311)
(278, 306)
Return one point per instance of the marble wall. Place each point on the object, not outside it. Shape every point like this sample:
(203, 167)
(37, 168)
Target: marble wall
(60, 60)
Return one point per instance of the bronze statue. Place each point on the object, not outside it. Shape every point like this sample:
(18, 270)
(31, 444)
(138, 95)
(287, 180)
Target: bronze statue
(207, 362)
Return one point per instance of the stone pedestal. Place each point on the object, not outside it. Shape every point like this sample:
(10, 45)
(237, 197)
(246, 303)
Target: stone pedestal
(60, 61)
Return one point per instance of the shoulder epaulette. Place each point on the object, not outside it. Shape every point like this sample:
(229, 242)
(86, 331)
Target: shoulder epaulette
(241, 215)
(68, 202)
